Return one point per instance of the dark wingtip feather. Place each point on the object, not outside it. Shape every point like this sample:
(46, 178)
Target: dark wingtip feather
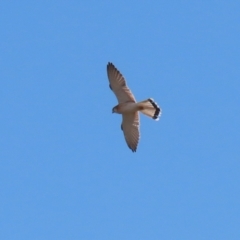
(110, 64)
(133, 149)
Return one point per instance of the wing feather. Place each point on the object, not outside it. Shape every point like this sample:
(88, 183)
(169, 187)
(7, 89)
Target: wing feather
(130, 126)
(118, 85)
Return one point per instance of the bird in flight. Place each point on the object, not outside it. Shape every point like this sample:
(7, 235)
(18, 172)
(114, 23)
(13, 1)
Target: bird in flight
(129, 107)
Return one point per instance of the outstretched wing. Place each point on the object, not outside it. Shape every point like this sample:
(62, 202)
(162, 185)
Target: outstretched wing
(130, 127)
(118, 85)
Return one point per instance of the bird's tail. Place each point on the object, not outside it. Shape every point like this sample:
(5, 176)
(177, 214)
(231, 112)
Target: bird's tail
(150, 108)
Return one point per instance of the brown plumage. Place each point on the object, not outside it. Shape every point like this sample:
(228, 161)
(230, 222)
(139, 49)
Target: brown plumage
(129, 108)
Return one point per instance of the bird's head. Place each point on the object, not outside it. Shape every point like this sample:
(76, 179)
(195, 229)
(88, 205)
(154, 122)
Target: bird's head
(114, 110)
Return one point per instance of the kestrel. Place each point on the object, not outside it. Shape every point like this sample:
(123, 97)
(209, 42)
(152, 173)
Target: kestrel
(129, 108)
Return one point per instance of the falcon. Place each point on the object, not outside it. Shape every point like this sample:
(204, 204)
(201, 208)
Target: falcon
(129, 107)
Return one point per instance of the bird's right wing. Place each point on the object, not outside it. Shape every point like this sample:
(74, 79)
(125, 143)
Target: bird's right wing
(118, 85)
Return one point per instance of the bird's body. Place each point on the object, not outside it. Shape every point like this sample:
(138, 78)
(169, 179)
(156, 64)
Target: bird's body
(129, 108)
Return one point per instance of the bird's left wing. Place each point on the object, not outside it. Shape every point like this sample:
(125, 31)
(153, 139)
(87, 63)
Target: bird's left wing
(130, 127)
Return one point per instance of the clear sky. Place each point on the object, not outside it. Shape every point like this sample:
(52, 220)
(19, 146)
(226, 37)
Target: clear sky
(65, 169)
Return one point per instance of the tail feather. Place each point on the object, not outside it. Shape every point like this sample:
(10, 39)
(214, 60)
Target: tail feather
(150, 108)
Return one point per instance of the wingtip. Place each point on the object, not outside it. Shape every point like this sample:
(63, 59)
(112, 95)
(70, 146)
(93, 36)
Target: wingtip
(133, 149)
(110, 64)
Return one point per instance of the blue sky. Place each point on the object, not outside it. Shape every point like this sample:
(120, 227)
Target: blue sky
(65, 169)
